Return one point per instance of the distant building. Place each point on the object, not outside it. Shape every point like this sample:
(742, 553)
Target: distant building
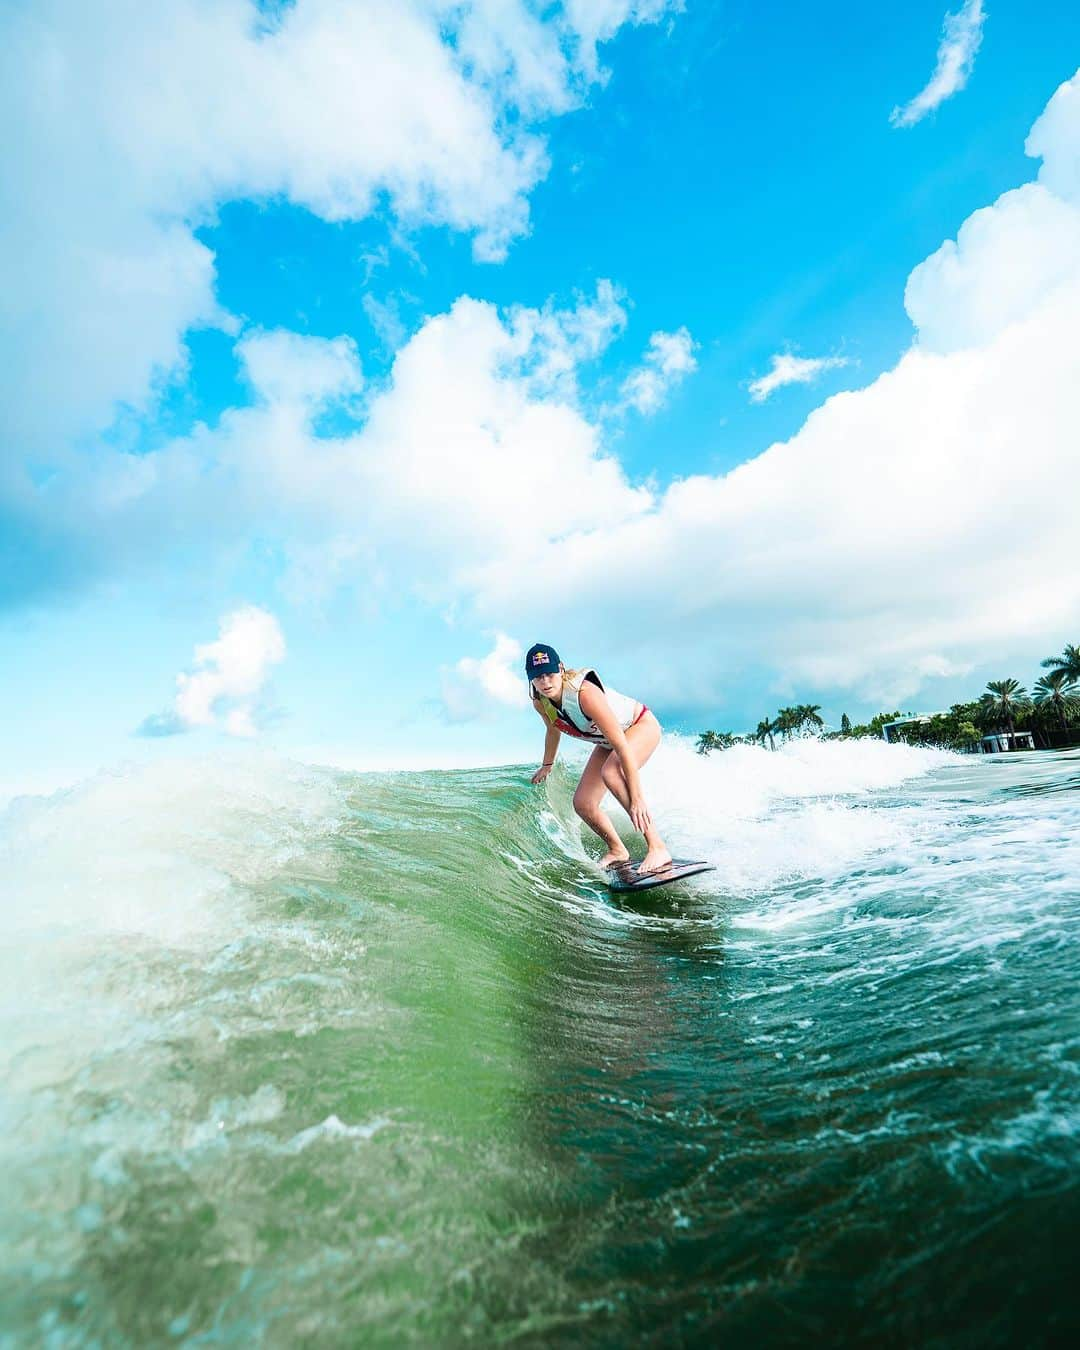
(996, 743)
(894, 731)
(999, 742)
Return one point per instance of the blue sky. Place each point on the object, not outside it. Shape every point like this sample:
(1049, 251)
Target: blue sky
(180, 449)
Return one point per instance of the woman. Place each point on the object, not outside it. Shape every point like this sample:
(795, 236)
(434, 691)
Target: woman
(624, 734)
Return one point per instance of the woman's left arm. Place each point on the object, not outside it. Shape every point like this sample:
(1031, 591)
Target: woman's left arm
(596, 707)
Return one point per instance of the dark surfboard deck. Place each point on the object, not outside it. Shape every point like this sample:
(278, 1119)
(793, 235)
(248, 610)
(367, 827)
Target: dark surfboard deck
(625, 877)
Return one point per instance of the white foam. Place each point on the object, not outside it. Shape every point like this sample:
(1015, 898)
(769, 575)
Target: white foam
(1046, 1129)
(807, 809)
(333, 1130)
(227, 1114)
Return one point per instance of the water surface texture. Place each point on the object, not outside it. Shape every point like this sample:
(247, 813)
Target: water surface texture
(300, 1057)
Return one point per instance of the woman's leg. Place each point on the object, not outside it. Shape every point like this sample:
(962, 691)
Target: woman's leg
(643, 738)
(590, 793)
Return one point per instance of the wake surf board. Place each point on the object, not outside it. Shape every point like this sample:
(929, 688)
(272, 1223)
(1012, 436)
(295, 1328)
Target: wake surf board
(625, 877)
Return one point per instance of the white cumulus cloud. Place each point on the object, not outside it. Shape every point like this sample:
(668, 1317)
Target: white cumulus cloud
(668, 359)
(789, 369)
(918, 526)
(478, 687)
(137, 121)
(961, 37)
(227, 677)
(288, 369)
(551, 343)
(473, 447)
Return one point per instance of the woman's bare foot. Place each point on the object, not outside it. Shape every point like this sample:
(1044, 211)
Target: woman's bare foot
(654, 860)
(612, 858)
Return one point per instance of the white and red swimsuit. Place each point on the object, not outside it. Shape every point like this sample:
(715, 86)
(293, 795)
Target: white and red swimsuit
(570, 718)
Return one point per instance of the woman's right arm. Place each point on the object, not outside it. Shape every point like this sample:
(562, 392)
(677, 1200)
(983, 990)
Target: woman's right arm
(551, 746)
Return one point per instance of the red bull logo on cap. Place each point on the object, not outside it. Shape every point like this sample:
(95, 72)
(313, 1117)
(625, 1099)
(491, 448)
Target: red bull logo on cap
(541, 659)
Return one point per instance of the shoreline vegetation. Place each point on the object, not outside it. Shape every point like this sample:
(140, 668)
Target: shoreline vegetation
(1051, 713)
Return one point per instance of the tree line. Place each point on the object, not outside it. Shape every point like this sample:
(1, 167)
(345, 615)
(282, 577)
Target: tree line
(1051, 712)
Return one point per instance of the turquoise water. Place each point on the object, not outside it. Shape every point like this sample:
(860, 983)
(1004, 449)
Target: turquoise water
(301, 1057)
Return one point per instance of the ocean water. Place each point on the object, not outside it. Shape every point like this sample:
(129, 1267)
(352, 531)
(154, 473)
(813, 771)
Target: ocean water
(299, 1057)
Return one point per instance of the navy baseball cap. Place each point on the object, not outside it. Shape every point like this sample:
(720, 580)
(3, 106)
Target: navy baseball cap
(541, 660)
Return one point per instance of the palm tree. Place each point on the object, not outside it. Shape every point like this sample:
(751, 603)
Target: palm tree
(1003, 700)
(1068, 662)
(765, 729)
(1058, 691)
(706, 741)
(810, 715)
(787, 721)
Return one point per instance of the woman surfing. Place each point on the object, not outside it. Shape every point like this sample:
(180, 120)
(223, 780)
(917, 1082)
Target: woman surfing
(624, 735)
